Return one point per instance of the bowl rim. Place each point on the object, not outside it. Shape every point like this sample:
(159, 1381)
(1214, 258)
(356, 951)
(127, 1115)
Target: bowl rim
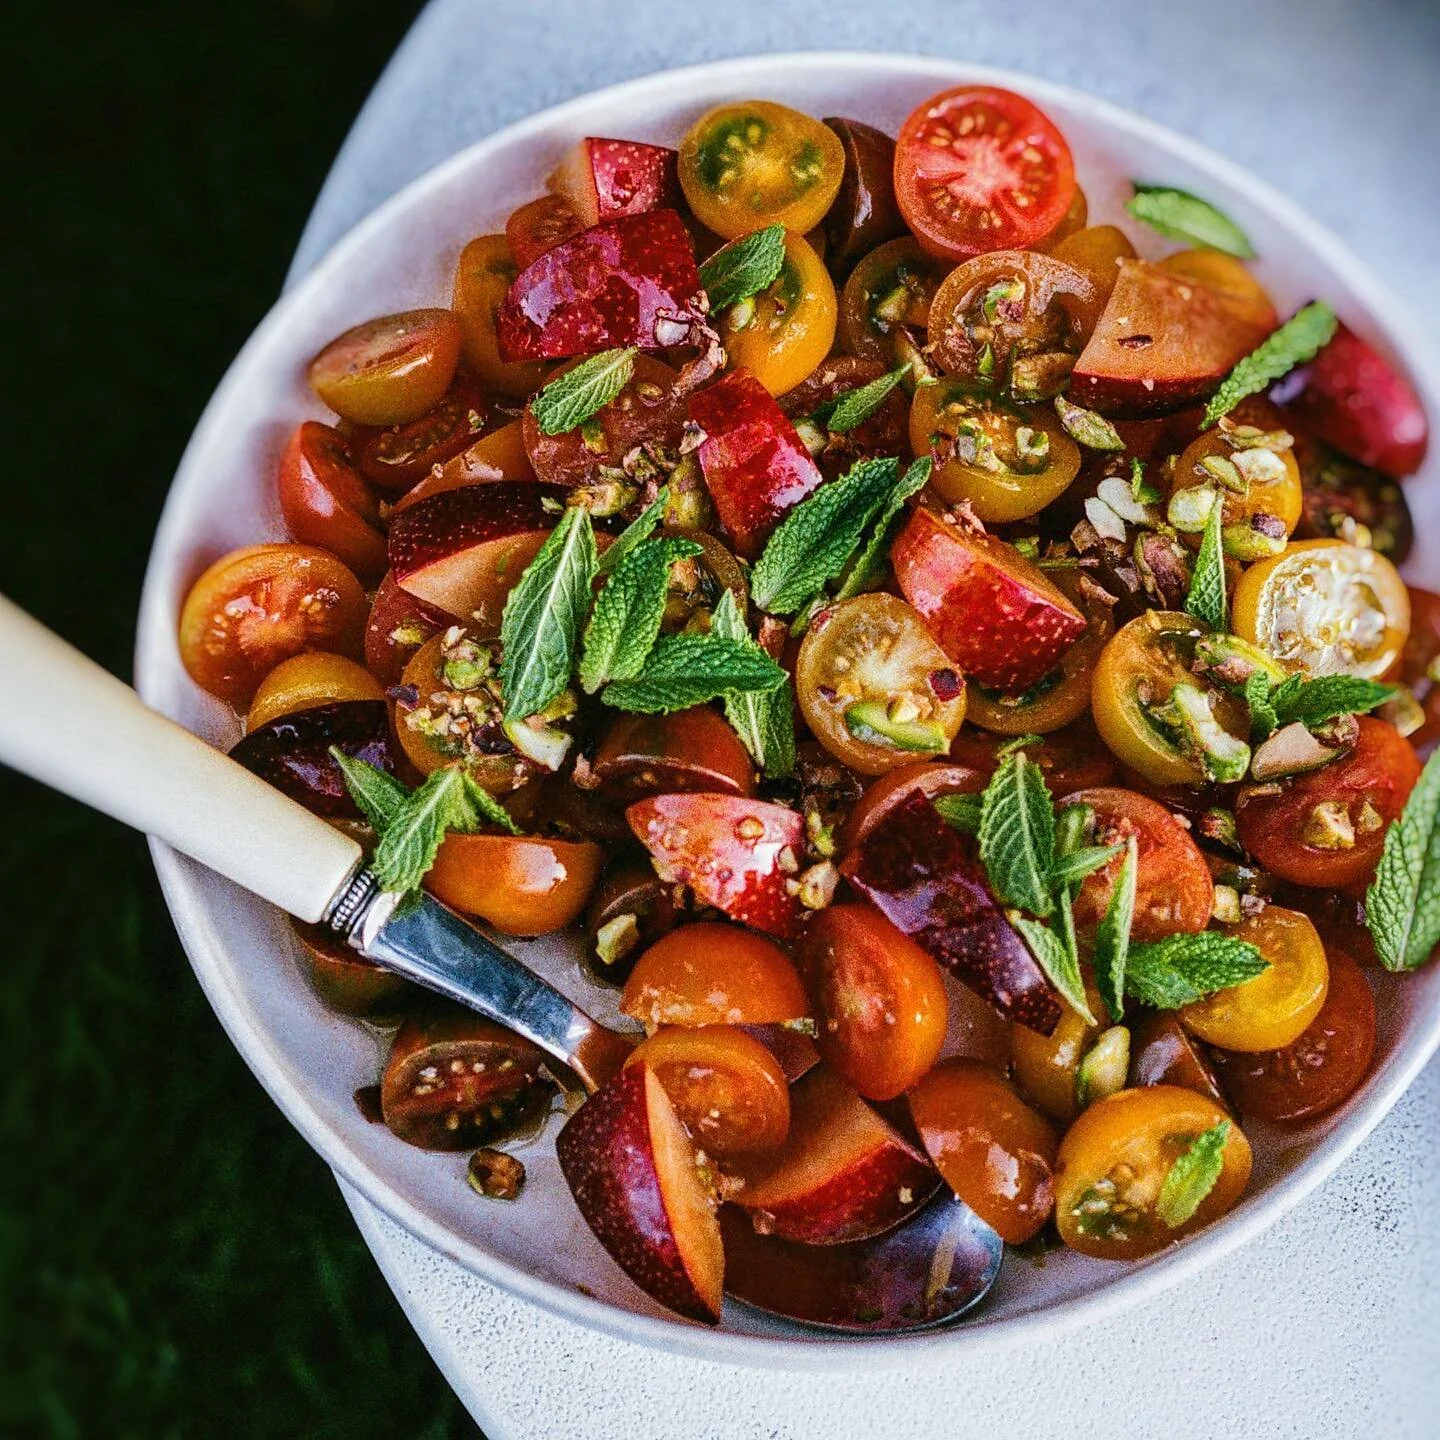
(207, 953)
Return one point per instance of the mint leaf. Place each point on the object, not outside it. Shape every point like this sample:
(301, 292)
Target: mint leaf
(485, 809)
(412, 837)
(690, 669)
(1312, 702)
(961, 811)
(1402, 905)
(1192, 1177)
(1206, 600)
(818, 536)
(763, 719)
(637, 530)
(1263, 719)
(1172, 972)
(852, 408)
(869, 566)
(1296, 342)
(378, 793)
(1017, 835)
(1112, 935)
(1179, 215)
(1071, 868)
(626, 620)
(540, 629)
(572, 398)
(1087, 428)
(1057, 960)
(744, 267)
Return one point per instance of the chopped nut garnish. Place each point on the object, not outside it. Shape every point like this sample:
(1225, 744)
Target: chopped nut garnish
(1329, 827)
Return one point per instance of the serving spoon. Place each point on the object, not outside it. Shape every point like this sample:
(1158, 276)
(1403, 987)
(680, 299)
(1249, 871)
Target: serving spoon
(95, 740)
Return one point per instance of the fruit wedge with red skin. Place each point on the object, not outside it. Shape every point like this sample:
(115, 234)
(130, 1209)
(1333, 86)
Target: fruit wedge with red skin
(325, 501)
(540, 225)
(729, 850)
(691, 749)
(755, 465)
(843, 1173)
(631, 281)
(1356, 399)
(998, 616)
(461, 551)
(1162, 343)
(924, 876)
(293, 752)
(924, 1272)
(398, 626)
(603, 179)
(634, 1176)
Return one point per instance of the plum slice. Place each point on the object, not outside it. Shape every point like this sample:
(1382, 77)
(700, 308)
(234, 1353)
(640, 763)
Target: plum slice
(928, 1271)
(292, 753)
(398, 626)
(755, 464)
(633, 1173)
(923, 875)
(629, 281)
(603, 179)
(998, 616)
(461, 551)
(1163, 342)
(843, 1173)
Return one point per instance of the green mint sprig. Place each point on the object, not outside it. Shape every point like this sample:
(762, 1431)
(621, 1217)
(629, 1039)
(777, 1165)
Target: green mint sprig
(1017, 836)
(1312, 702)
(625, 622)
(868, 567)
(852, 408)
(961, 811)
(1180, 969)
(1058, 958)
(572, 398)
(1179, 215)
(691, 669)
(1298, 341)
(1192, 1177)
(1206, 598)
(763, 719)
(1112, 935)
(744, 267)
(540, 628)
(1402, 905)
(638, 530)
(377, 792)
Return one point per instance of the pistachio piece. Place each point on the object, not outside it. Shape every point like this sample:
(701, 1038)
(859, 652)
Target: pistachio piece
(1257, 538)
(1291, 750)
(1189, 508)
(495, 1175)
(1104, 1069)
(1226, 908)
(1087, 428)
(1231, 661)
(1188, 718)
(1108, 525)
(871, 723)
(1259, 466)
(1120, 497)
(1224, 472)
(542, 743)
(1328, 827)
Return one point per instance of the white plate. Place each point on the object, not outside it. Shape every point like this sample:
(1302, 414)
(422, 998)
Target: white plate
(310, 1061)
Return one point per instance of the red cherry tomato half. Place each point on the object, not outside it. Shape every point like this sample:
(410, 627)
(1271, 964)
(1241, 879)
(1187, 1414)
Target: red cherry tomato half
(390, 370)
(326, 503)
(397, 456)
(980, 169)
(539, 226)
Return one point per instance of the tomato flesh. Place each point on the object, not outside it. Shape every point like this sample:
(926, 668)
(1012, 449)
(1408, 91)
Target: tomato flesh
(661, 754)
(391, 370)
(326, 503)
(305, 681)
(397, 457)
(483, 277)
(888, 292)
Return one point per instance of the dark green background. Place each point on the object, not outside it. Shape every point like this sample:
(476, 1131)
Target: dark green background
(173, 1260)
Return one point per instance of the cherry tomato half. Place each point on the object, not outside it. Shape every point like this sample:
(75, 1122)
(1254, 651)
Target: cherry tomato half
(992, 1149)
(325, 502)
(864, 214)
(883, 434)
(1173, 888)
(390, 370)
(979, 168)
(396, 457)
(885, 792)
(344, 979)
(520, 884)
(890, 289)
(260, 605)
(540, 225)
(784, 332)
(755, 163)
(1320, 1070)
(304, 681)
(1274, 1008)
(483, 277)
(1420, 665)
(879, 999)
(1328, 827)
(1115, 1159)
(1071, 758)
(726, 1087)
(658, 754)
(874, 687)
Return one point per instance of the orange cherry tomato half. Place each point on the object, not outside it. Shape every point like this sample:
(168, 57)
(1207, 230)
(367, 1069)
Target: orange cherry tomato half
(395, 458)
(979, 168)
(889, 290)
(500, 455)
(879, 999)
(1274, 1008)
(993, 1150)
(686, 750)
(784, 332)
(304, 681)
(538, 226)
(520, 884)
(327, 503)
(726, 1087)
(1113, 1163)
(874, 687)
(714, 974)
(483, 277)
(260, 605)
(1173, 888)
(1327, 827)
(390, 370)
(1097, 250)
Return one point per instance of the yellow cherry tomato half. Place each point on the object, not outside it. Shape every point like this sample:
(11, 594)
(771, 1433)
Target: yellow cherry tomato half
(304, 681)
(756, 163)
(484, 274)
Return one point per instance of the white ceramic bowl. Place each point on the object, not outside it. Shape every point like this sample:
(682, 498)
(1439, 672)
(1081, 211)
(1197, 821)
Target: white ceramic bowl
(311, 1061)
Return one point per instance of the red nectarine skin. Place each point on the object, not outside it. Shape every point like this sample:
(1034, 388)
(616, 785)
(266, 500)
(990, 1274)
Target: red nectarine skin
(754, 463)
(922, 875)
(610, 285)
(998, 617)
(608, 1158)
(1163, 342)
(399, 625)
(728, 849)
(630, 178)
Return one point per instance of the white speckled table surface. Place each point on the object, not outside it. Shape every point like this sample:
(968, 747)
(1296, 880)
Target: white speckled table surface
(1329, 1324)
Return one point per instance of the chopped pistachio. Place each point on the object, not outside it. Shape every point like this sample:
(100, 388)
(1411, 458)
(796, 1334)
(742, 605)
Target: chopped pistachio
(1038, 377)
(812, 436)
(1259, 466)
(1032, 448)
(1002, 299)
(543, 744)
(1118, 495)
(1291, 750)
(741, 314)
(1189, 508)
(1232, 661)
(1328, 827)
(1369, 820)
(870, 722)
(892, 307)
(1257, 538)
(1188, 717)
(1105, 1067)
(1108, 525)
(616, 938)
(1226, 908)
(1224, 472)
(1087, 428)
(1403, 711)
(985, 362)
(495, 1175)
